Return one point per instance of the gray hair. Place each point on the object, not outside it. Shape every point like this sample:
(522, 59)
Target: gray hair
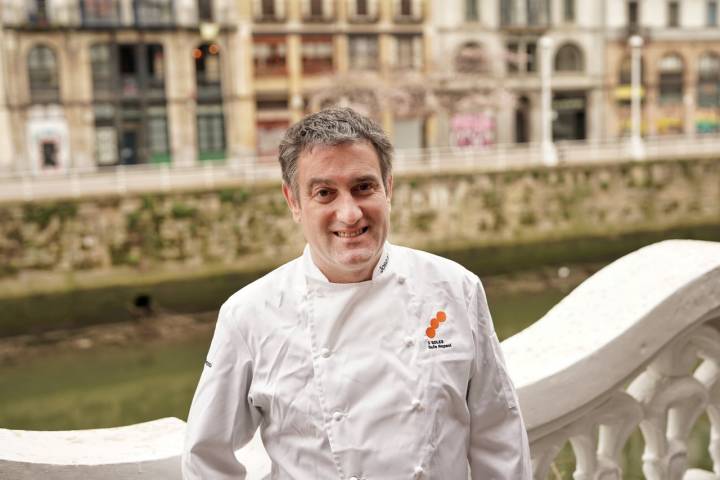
(331, 127)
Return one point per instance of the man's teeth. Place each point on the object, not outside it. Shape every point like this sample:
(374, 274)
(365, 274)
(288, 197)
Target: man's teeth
(350, 234)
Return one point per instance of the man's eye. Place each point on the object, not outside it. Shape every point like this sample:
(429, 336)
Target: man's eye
(364, 187)
(323, 194)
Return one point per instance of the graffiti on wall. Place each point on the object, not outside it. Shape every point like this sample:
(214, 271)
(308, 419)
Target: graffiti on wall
(472, 130)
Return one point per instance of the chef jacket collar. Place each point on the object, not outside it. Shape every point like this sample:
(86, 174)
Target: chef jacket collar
(314, 273)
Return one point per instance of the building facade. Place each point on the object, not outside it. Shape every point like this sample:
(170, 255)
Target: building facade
(93, 83)
(488, 69)
(680, 65)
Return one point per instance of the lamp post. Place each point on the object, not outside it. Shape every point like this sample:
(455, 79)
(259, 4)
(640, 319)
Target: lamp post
(549, 154)
(637, 148)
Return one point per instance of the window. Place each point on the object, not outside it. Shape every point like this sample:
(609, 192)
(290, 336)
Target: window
(623, 93)
(569, 58)
(530, 56)
(207, 71)
(102, 71)
(472, 13)
(100, 12)
(569, 10)
(507, 12)
(521, 56)
(211, 132)
(129, 103)
(673, 13)
(407, 10)
(538, 12)
(153, 12)
(363, 52)
(43, 75)
(709, 81)
(38, 13)
(317, 54)
(470, 58)
(361, 7)
(205, 13)
(633, 11)
(157, 135)
(316, 8)
(671, 79)
(268, 8)
(269, 53)
(49, 154)
(408, 53)
(711, 13)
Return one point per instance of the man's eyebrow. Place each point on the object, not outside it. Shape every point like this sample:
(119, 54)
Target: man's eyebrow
(327, 181)
(318, 181)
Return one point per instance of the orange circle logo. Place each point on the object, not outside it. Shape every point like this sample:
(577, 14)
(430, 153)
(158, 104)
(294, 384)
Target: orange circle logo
(430, 332)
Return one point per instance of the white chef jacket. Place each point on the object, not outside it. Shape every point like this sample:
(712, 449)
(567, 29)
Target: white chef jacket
(344, 381)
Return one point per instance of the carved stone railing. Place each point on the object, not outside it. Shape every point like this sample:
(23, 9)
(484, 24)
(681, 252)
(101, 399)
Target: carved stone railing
(636, 346)
(647, 320)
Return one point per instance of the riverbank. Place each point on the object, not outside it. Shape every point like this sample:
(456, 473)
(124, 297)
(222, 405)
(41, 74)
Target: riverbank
(38, 302)
(165, 328)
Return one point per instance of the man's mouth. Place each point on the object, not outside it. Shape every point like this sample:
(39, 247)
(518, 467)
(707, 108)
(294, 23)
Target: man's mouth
(351, 234)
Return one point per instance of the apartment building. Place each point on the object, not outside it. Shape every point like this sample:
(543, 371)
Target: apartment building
(680, 65)
(93, 83)
(487, 72)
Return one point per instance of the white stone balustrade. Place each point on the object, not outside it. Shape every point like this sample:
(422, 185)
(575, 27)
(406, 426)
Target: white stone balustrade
(645, 321)
(635, 346)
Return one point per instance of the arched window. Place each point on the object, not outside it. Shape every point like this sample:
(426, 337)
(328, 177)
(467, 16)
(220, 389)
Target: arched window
(470, 58)
(709, 80)
(569, 58)
(43, 75)
(671, 79)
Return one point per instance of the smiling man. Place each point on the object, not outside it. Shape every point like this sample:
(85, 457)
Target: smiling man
(360, 359)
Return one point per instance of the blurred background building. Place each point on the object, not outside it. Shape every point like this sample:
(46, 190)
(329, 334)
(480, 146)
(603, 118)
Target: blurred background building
(91, 83)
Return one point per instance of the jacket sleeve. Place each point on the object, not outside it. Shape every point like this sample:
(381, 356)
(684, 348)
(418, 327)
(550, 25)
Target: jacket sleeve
(498, 440)
(222, 418)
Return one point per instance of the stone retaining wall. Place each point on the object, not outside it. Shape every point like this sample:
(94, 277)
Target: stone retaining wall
(205, 228)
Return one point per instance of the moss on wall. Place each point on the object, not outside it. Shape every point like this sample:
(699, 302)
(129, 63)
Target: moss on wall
(225, 226)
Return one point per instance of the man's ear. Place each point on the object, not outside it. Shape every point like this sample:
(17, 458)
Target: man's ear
(292, 201)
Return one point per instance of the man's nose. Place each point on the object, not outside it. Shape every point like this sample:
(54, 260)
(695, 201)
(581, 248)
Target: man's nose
(348, 210)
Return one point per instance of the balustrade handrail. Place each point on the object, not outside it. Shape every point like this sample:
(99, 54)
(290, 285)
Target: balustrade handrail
(126, 179)
(610, 326)
(646, 319)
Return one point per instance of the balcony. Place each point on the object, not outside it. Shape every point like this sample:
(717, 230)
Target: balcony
(635, 347)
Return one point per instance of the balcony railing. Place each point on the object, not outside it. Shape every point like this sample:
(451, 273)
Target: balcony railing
(36, 184)
(650, 320)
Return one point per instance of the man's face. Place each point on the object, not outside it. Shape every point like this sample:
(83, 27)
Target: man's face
(343, 208)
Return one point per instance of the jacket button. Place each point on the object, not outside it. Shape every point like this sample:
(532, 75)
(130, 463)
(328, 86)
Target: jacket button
(401, 279)
(325, 352)
(409, 341)
(354, 478)
(416, 405)
(337, 416)
(419, 471)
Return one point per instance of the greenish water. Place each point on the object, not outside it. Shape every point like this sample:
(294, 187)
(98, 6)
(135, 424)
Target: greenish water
(124, 385)
(82, 307)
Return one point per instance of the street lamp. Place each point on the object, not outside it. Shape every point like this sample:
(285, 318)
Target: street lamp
(549, 154)
(637, 148)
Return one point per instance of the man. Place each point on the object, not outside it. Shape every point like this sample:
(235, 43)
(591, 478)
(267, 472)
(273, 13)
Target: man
(360, 359)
